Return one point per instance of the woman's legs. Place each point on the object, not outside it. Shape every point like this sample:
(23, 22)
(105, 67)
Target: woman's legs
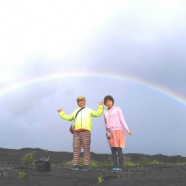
(117, 157)
(120, 157)
(114, 156)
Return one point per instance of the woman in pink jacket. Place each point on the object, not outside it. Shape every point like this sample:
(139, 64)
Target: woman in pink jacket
(115, 123)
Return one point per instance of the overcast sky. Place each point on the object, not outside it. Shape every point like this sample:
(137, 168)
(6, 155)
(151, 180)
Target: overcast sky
(52, 51)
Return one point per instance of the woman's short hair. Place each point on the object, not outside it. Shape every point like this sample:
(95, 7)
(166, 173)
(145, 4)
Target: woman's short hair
(108, 98)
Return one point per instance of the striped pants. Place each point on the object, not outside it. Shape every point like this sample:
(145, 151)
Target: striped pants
(81, 139)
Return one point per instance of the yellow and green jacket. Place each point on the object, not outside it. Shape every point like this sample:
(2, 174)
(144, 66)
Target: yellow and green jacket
(84, 117)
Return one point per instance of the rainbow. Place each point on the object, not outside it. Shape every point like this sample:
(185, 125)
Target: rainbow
(130, 79)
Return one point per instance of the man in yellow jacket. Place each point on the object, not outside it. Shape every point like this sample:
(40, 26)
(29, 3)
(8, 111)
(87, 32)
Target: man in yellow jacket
(82, 125)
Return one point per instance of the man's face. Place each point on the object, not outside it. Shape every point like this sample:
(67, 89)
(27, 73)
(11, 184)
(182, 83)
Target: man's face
(81, 103)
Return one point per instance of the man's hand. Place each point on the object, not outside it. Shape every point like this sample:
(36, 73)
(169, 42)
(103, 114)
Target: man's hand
(100, 103)
(59, 110)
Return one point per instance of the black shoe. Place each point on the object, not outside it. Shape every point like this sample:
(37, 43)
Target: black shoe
(87, 168)
(74, 168)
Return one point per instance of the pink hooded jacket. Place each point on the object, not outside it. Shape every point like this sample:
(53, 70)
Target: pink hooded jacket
(114, 119)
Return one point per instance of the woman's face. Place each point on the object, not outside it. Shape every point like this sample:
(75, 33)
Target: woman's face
(109, 104)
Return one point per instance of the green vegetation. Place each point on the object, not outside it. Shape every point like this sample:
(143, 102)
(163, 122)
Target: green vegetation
(3, 173)
(22, 175)
(95, 163)
(140, 168)
(100, 179)
(28, 158)
(105, 161)
(129, 164)
(107, 164)
(180, 163)
(147, 161)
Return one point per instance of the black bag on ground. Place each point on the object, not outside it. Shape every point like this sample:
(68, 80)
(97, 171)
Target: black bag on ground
(43, 164)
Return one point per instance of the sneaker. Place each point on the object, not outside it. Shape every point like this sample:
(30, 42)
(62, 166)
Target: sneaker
(117, 170)
(114, 169)
(87, 168)
(74, 168)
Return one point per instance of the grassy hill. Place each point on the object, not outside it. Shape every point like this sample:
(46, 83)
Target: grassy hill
(61, 159)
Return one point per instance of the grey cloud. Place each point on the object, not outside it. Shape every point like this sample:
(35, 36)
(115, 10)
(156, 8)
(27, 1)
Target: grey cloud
(161, 60)
(27, 98)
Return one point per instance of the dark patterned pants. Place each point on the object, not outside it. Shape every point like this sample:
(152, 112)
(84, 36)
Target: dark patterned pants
(81, 139)
(117, 157)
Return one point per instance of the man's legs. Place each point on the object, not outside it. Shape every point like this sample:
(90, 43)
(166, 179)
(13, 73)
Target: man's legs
(76, 148)
(86, 140)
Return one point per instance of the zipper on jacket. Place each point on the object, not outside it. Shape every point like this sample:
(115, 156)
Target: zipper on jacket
(81, 119)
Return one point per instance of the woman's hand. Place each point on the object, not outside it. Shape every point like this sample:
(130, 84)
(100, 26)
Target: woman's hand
(129, 132)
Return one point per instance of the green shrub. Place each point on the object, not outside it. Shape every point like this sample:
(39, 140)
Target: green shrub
(100, 179)
(22, 175)
(154, 162)
(28, 158)
(129, 164)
